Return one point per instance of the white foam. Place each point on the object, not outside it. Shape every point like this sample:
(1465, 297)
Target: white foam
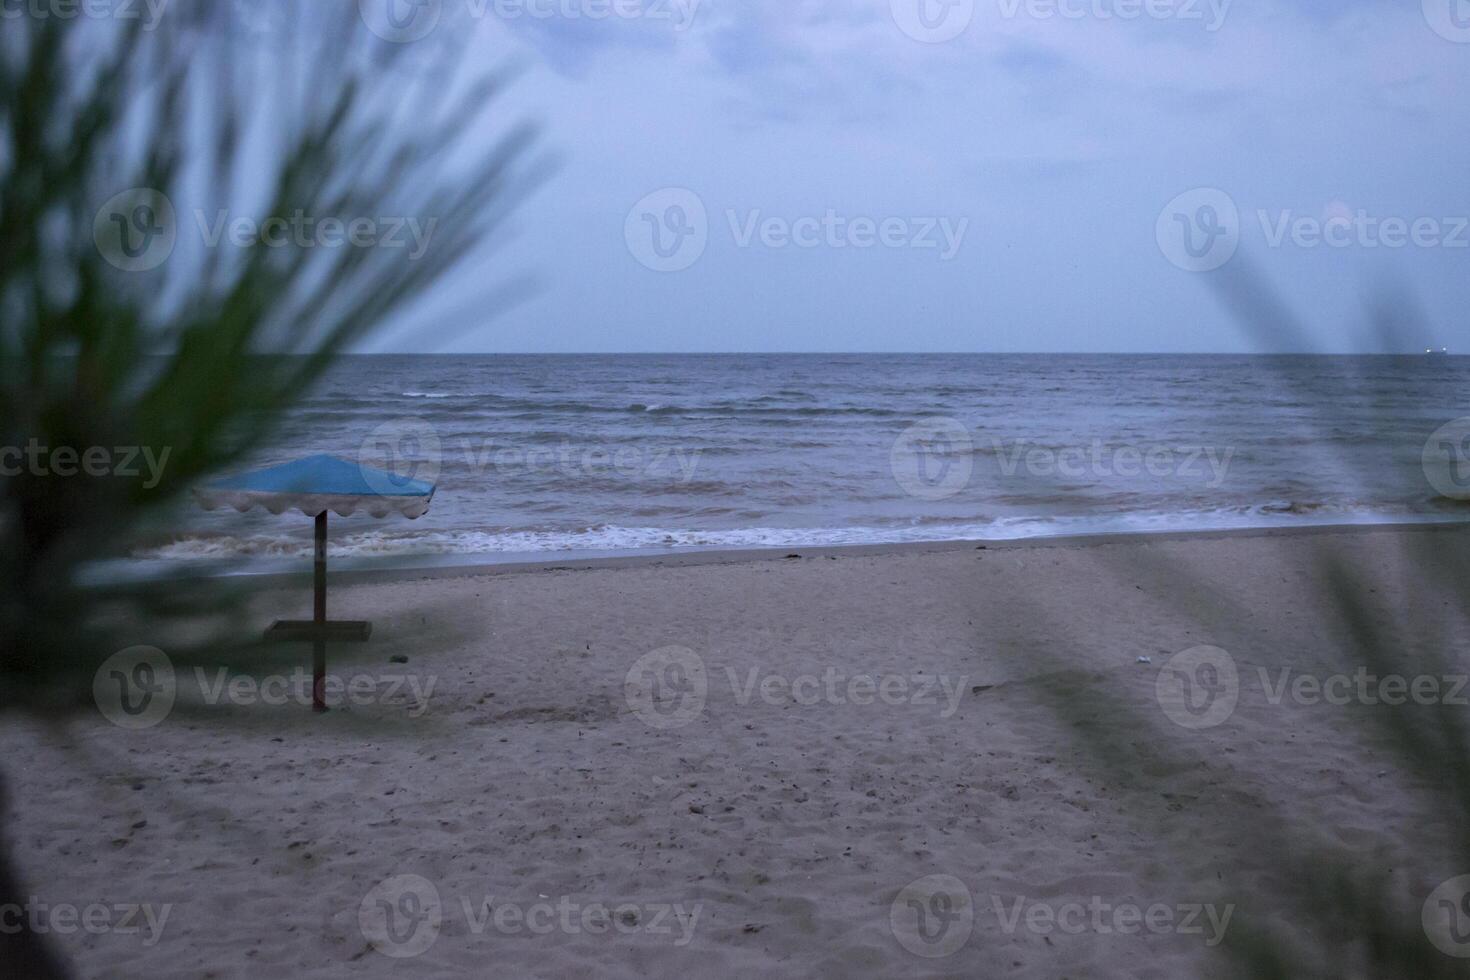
(617, 538)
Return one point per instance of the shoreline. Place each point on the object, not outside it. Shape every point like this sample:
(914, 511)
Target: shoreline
(366, 571)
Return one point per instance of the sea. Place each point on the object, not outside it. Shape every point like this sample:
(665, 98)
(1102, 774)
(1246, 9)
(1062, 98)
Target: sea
(538, 456)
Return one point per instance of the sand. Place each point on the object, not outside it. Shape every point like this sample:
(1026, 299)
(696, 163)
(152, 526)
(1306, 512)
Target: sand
(869, 720)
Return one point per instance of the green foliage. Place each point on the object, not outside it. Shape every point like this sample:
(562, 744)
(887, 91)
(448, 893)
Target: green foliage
(200, 356)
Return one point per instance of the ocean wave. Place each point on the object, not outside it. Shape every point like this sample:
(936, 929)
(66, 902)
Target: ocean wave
(598, 538)
(620, 538)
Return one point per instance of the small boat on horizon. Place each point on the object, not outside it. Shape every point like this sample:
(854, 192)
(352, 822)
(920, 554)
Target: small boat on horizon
(1431, 352)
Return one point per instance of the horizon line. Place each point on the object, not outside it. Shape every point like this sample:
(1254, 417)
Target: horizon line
(874, 353)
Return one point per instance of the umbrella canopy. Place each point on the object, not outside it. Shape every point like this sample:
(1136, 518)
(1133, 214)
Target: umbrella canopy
(317, 484)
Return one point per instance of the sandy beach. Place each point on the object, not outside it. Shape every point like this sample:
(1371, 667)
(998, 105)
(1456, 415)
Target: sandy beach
(951, 760)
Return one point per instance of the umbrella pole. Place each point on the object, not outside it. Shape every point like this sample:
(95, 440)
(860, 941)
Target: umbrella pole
(319, 620)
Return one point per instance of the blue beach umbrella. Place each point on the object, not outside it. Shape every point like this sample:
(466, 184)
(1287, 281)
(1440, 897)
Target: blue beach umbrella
(314, 486)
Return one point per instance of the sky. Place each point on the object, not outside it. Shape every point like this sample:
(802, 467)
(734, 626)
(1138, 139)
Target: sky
(973, 175)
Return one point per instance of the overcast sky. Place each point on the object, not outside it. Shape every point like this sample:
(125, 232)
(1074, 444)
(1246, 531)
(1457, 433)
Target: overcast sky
(979, 175)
